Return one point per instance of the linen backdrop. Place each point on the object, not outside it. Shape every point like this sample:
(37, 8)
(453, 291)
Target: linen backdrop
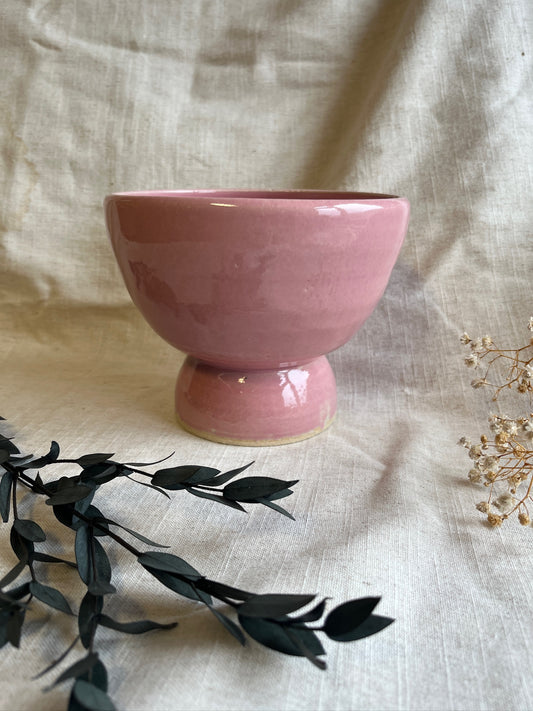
(428, 99)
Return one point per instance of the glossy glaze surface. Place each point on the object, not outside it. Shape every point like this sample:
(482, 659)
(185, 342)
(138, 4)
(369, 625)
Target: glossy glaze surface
(255, 284)
(256, 407)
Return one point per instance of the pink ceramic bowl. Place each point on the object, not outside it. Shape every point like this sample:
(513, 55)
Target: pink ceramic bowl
(255, 286)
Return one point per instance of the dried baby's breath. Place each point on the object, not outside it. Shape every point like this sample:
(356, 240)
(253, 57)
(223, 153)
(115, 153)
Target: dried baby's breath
(503, 461)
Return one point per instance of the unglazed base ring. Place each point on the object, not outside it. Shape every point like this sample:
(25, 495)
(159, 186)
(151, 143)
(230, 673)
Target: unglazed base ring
(255, 407)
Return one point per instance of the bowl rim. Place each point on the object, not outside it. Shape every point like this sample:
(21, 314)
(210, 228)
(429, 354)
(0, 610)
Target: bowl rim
(284, 195)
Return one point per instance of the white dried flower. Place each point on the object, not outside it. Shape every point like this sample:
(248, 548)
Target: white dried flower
(477, 346)
(465, 442)
(489, 463)
(494, 519)
(474, 451)
(472, 360)
(478, 383)
(504, 503)
(495, 423)
(465, 338)
(474, 475)
(511, 427)
(530, 324)
(523, 518)
(486, 341)
(503, 447)
(529, 370)
(483, 506)
(528, 429)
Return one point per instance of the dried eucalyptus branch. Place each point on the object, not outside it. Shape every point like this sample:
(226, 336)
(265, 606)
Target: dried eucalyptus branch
(267, 618)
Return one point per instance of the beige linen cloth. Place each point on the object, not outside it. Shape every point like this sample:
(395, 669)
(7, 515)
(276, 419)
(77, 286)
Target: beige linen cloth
(426, 99)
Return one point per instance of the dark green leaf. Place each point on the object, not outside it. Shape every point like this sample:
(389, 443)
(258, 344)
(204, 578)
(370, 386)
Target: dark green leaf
(22, 548)
(232, 628)
(309, 639)
(226, 476)
(13, 628)
(255, 487)
(150, 486)
(135, 534)
(55, 484)
(50, 596)
(80, 667)
(314, 614)
(304, 649)
(38, 484)
(7, 444)
(82, 505)
(17, 461)
(279, 494)
(45, 558)
(136, 627)
(4, 619)
(95, 515)
(169, 563)
(52, 455)
(3, 628)
(90, 607)
(4, 455)
(91, 697)
(215, 497)
(91, 558)
(221, 591)
(148, 464)
(13, 573)
(173, 477)
(101, 562)
(273, 635)
(12, 596)
(100, 473)
(180, 586)
(343, 620)
(5, 495)
(372, 625)
(272, 605)
(87, 460)
(84, 555)
(101, 587)
(275, 507)
(29, 530)
(69, 494)
(73, 705)
(202, 475)
(97, 676)
(64, 514)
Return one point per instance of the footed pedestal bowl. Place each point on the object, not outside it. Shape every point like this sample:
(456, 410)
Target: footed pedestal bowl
(255, 287)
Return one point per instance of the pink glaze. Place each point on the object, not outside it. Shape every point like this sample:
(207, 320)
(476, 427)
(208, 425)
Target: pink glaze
(255, 281)
(277, 406)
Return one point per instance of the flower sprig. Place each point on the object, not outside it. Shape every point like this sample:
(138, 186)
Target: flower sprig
(486, 355)
(503, 461)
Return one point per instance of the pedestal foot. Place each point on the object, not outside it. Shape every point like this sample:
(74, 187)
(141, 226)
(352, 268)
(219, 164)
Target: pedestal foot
(256, 407)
